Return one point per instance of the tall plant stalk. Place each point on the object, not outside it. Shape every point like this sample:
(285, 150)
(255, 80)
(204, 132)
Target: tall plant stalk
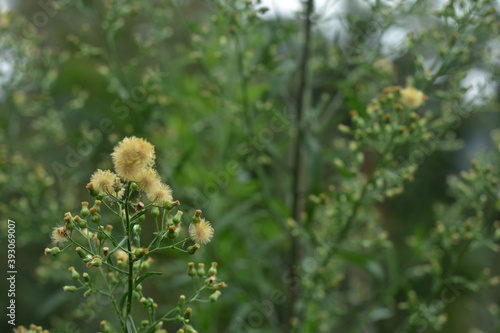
(298, 157)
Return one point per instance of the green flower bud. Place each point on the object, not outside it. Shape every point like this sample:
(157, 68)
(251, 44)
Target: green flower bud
(201, 270)
(192, 249)
(182, 300)
(155, 211)
(87, 293)
(134, 186)
(93, 192)
(170, 205)
(191, 271)
(213, 270)
(97, 262)
(100, 233)
(80, 252)
(213, 298)
(172, 232)
(81, 223)
(85, 209)
(196, 217)
(97, 205)
(96, 217)
(137, 229)
(55, 251)
(140, 252)
(74, 274)
(177, 218)
(187, 314)
(105, 327)
(86, 277)
(69, 288)
(70, 224)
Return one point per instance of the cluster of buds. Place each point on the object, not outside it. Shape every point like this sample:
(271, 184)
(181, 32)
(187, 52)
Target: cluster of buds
(85, 284)
(93, 261)
(210, 281)
(31, 329)
(149, 304)
(174, 226)
(390, 114)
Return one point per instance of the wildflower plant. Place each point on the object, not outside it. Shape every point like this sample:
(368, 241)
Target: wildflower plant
(116, 254)
(327, 139)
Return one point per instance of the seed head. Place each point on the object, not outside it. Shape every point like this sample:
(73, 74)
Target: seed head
(412, 98)
(103, 181)
(131, 156)
(201, 232)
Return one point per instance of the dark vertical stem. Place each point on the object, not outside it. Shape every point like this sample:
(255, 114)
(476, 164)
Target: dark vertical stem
(243, 84)
(298, 158)
(130, 259)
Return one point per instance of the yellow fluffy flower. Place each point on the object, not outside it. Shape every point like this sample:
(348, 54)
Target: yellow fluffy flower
(147, 179)
(103, 180)
(412, 98)
(201, 232)
(131, 156)
(159, 193)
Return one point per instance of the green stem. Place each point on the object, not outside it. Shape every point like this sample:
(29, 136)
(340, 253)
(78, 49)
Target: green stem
(164, 317)
(113, 301)
(173, 246)
(130, 258)
(111, 209)
(298, 158)
(115, 268)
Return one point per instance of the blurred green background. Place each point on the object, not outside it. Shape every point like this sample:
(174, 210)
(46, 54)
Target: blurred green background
(213, 85)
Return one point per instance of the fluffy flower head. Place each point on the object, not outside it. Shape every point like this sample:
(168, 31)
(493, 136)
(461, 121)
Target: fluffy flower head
(159, 193)
(131, 156)
(103, 180)
(201, 232)
(412, 98)
(59, 235)
(147, 179)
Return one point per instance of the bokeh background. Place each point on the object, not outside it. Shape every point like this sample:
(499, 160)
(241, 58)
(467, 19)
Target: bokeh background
(212, 84)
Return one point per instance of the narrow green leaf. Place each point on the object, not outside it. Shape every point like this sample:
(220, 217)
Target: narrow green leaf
(142, 277)
(136, 216)
(130, 325)
(119, 246)
(122, 302)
